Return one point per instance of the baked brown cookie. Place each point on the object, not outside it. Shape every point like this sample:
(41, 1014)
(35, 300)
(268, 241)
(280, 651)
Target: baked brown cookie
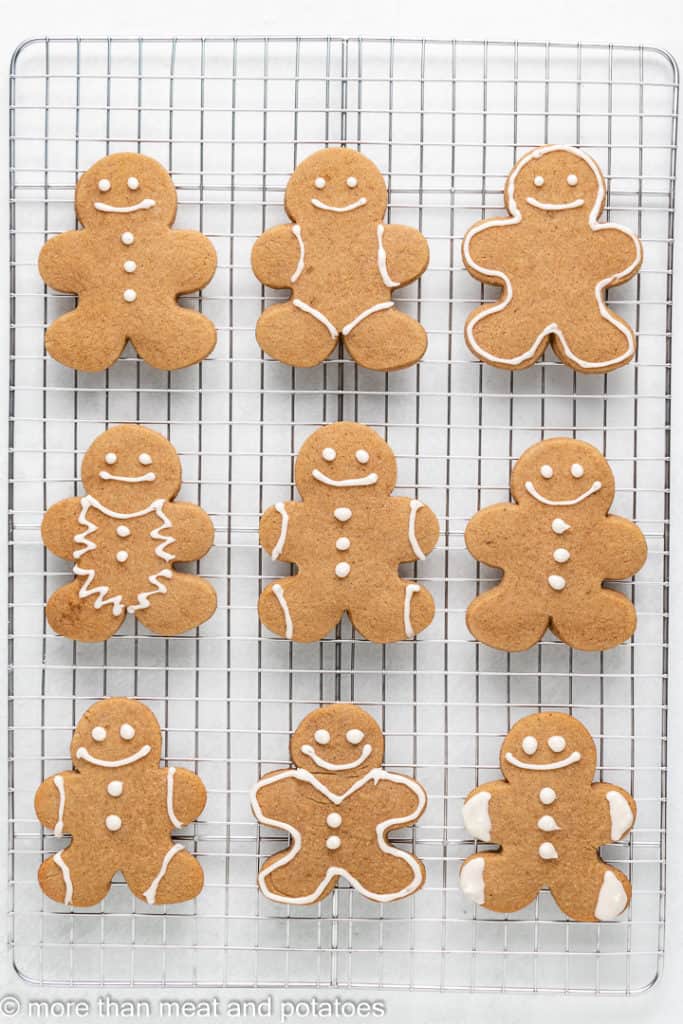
(342, 263)
(556, 544)
(338, 805)
(554, 262)
(128, 267)
(347, 537)
(549, 818)
(119, 807)
(123, 536)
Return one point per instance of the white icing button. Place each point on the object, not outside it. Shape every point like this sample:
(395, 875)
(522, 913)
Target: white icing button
(547, 795)
(130, 266)
(319, 183)
(133, 184)
(547, 851)
(559, 526)
(355, 736)
(333, 842)
(110, 458)
(99, 733)
(561, 555)
(145, 459)
(126, 732)
(113, 822)
(572, 180)
(362, 456)
(115, 788)
(577, 470)
(342, 514)
(529, 744)
(546, 472)
(538, 180)
(123, 531)
(557, 744)
(342, 569)
(547, 823)
(342, 544)
(557, 582)
(321, 736)
(104, 184)
(121, 556)
(334, 819)
(130, 295)
(352, 182)
(127, 237)
(329, 454)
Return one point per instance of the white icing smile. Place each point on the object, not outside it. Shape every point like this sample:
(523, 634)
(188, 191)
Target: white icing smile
(144, 204)
(145, 478)
(356, 481)
(83, 754)
(572, 759)
(335, 209)
(596, 486)
(330, 766)
(554, 206)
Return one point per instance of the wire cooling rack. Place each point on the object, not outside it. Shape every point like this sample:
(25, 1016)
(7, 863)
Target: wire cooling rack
(444, 121)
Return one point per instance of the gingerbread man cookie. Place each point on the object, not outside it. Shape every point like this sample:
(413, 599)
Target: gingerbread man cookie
(119, 807)
(549, 817)
(556, 546)
(338, 805)
(342, 263)
(554, 262)
(347, 537)
(123, 536)
(128, 267)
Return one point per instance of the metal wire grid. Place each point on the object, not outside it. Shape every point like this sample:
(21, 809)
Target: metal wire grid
(444, 121)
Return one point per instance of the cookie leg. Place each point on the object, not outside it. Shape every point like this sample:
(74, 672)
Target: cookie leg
(77, 618)
(172, 875)
(593, 892)
(503, 618)
(294, 336)
(73, 877)
(385, 877)
(387, 340)
(509, 337)
(594, 343)
(185, 337)
(84, 339)
(391, 610)
(597, 622)
(189, 600)
(298, 609)
(301, 880)
(499, 881)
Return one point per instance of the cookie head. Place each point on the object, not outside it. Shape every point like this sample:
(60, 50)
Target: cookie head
(554, 180)
(338, 738)
(550, 746)
(346, 460)
(128, 467)
(116, 733)
(563, 473)
(125, 190)
(336, 185)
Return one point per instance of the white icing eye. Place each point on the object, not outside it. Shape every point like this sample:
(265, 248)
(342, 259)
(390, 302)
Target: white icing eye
(144, 459)
(352, 182)
(355, 736)
(320, 183)
(322, 737)
(539, 180)
(99, 733)
(110, 458)
(577, 470)
(572, 180)
(529, 745)
(557, 744)
(362, 456)
(546, 472)
(133, 184)
(329, 454)
(126, 732)
(104, 184)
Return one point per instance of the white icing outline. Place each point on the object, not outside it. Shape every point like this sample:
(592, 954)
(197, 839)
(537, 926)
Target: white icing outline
(375, 775)
(411, 590)
(144, 204)
(296, 231)
(318, 203)
(417, 550)
(600, 287)
(333, 332)
(277, 550)
(472, 880)
(593, 489)
(554, 206)
(151, 893)
(612, 898)
(305, 308)
(331, 766)
(66, 875)
(169, 799)
(354, 481)
(145, 478)
(59, 824)
(282, 601)
(377, 308)
(620, 813)
(382, 260)
(476, 817)
(572, 759)
(83, 754)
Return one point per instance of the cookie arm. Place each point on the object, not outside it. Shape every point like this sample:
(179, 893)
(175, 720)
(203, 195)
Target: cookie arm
(191, 529)
(622, 548)
(62, 262)
(481, 810)
(185, 796)
(60, 526)
(621, 253)
(50, 800)
(485, 247)
(281, 798)
(406, 253)
(277, 255)
(492, 533)
(413, 527)
(401, 798)
(616, 812)
(275, 530)
(193, 259)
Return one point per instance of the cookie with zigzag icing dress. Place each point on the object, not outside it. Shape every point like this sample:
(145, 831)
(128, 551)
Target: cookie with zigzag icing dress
(123, 536)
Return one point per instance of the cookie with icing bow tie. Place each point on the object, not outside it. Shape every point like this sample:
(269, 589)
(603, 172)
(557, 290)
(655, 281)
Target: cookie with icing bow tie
(556, 544)
(549, 818)
(338, 805)
(119, 807)
(342, 264)
(127, 268)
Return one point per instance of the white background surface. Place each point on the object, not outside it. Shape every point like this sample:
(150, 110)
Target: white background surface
(656, 22)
